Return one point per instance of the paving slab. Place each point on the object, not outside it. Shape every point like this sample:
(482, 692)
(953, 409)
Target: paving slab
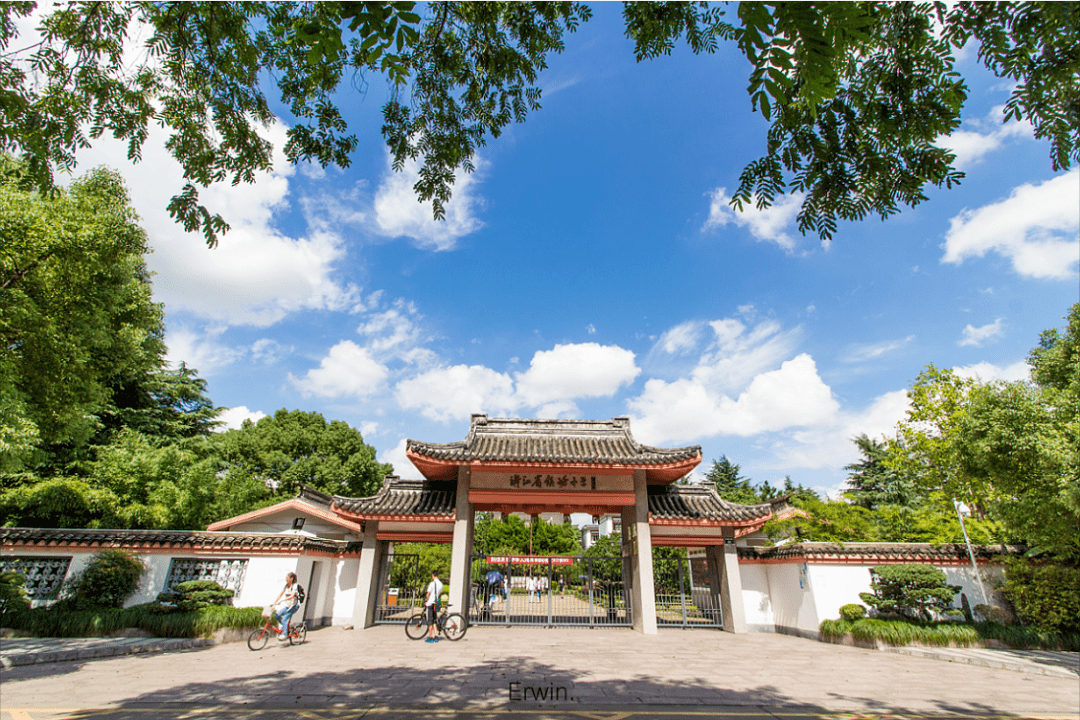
(568, 672)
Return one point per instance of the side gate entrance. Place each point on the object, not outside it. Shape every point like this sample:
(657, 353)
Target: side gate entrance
(549, 591)
(401, 588)
(684, 596)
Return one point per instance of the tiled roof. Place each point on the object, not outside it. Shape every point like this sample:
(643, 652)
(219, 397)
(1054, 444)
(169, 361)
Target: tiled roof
(403, 498)
(314, 497)
(554, 441)
(879, 552)
(700, 502)
(195, 539)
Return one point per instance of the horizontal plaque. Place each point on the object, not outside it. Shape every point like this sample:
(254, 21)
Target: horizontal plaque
(554, 481)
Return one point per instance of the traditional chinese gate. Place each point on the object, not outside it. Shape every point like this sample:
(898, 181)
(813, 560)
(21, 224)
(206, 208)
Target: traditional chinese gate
(402, 584)
(684, 596)
(564, 591)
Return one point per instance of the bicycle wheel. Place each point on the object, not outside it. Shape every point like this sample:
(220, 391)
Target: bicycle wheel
(258, 637)
(298, 635)
(454, 626)
(416, 627)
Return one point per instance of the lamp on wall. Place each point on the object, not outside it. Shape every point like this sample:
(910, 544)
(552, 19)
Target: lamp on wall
(298, 523)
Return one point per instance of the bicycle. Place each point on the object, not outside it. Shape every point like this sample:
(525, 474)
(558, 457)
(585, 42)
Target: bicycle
(260, 636)
(452, 625)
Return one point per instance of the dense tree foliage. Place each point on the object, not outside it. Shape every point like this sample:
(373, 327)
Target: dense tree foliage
(293, 448)
(511, 535)
(1010, 448)
(856, 93)
(872, 483)
(76, 318)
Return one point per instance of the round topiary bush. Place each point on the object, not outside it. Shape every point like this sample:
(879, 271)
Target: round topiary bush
(110, 578)
(852, 612)
(196, 595)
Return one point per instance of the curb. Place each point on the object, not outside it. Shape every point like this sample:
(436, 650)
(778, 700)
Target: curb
(1021, 667)
(111, 650)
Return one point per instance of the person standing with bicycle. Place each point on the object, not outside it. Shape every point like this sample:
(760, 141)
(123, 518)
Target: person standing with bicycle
(286, 605)
(431, 605)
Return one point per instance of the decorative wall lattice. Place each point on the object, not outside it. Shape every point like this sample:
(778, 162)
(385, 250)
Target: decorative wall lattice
(227, 573)
(43, 575)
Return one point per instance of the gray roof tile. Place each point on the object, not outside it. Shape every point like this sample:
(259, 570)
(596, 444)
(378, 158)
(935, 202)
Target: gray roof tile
(555, 441)
(701, 502)
(194, 539)
(403, 497)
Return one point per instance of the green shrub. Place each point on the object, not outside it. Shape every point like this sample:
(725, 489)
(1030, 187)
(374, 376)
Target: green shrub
(110, 578)
(852, 612)
(1046, 597)
(58, 622)
(911, 590)
(195, 595)
(906, 632)
(12, 593)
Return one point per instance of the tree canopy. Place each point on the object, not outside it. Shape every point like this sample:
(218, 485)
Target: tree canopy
(293, 448)
(1012, 448)
(857, 94)
(77, 319)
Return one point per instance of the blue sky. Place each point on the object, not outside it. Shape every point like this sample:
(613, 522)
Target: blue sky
(591, 268)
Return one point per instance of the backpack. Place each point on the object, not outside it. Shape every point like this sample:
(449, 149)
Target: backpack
(300, 594)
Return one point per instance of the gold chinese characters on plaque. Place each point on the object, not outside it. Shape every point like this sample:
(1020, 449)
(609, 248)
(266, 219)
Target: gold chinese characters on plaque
(554, 481)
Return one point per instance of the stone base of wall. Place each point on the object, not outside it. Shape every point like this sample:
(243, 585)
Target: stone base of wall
(852, 641)
(783, 630)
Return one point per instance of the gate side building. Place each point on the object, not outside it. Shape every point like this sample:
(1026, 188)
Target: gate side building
(340, 546)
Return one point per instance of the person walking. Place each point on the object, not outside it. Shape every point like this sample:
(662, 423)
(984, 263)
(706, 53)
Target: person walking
(431, 605)
(286, 605)
(530, 587)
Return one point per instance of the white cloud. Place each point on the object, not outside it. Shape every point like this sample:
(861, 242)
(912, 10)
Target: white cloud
(768, 225)
(347, 370)
(828, 444)
(269, 351)
(396, 456)
(978, 335)
(369, 428)
(397, 212)
(394, 333)
(453, 393)
(736, 355)
(859, 353)
(1035, 227)
(256, 275)
(682, 338)
(591, 329)
(576, 371)
(686, 410)
(200, 351)
(971, 145)
(235, 417)
(985, 372)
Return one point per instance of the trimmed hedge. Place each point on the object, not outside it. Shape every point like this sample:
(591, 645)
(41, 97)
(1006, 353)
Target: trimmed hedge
(905, 632)
(50, 622)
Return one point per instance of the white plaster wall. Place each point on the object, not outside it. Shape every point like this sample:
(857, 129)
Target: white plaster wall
(792, 598)
(964, 576)
(838, 585)
(757, 600)
(264, 579)
(345, 591)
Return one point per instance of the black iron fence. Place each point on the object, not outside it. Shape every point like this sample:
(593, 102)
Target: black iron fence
(548, 591)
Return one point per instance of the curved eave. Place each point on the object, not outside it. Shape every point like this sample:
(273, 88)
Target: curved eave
(656, 473)
(362, 516)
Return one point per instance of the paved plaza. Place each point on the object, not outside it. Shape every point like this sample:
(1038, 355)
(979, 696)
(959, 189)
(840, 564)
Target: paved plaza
(530, 672)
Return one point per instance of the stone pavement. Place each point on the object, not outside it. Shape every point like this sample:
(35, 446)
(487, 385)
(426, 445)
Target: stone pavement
(33, 651)
(534, 671)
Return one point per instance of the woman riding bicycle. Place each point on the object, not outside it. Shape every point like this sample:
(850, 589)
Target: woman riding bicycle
(286, 605)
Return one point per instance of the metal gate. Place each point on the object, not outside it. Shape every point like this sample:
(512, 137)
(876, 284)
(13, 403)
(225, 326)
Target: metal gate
(549, 591)
(401, 588)
(684, 595)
